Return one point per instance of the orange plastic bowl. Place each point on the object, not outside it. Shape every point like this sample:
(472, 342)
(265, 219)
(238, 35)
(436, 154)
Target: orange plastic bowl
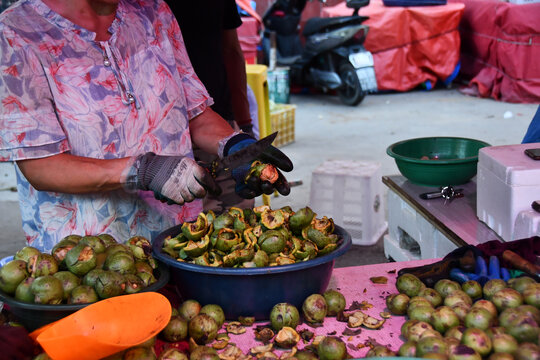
(106, 327)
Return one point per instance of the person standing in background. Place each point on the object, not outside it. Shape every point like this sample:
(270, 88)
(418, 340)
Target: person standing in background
(209, 32)
(533, 131)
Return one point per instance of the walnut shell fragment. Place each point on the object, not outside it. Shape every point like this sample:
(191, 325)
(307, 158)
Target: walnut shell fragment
(289, 354)
(350, 332)
(219, 345)
(317, 339)
(267, 355)
(287, 338)
(246, 320)
(261, 349)
(364, 305)
(379, 279)
(342, 316)
(306, 335)
(234, 327)
(192, 344)
(372, 323)
(385, 314)
(356, 319)
(233, 353)
(264, 335)
(223, 337)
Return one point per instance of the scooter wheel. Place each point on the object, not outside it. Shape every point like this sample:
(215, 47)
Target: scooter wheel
(350, 92)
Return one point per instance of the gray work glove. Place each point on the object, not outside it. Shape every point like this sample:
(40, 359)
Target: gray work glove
(174, 179)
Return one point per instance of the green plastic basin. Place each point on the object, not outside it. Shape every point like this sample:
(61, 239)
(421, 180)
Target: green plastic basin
(437, 161)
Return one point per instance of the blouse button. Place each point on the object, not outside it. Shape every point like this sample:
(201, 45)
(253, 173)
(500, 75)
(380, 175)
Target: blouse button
(131, 98)
(106, 61)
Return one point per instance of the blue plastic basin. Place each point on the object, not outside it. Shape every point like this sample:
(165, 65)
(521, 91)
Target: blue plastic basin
(251, 291)
(33, 316)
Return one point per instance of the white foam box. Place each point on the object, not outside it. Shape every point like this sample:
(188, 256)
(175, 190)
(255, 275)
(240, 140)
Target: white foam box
(350, 192)
(410, 235)
(508, 181)
(523, 2)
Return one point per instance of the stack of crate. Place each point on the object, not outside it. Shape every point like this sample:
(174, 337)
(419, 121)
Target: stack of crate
(282, 120)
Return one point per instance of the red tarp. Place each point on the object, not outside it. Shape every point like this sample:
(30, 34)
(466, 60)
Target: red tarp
(248, 32)
(249, 38)
(501, 50)
(410, 45)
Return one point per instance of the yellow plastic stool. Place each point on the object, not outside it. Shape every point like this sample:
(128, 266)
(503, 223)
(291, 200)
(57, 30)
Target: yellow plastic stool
(257, 81)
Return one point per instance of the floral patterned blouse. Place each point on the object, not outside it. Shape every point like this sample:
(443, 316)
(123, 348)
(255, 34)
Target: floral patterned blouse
(62, 91)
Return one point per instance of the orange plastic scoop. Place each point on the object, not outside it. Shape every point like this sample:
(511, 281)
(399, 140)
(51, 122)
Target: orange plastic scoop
(106, 327)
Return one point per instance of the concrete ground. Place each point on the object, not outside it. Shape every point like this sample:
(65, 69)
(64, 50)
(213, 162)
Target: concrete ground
(327, 130)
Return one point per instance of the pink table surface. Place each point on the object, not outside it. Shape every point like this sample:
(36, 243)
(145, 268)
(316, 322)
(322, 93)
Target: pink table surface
(354, 283)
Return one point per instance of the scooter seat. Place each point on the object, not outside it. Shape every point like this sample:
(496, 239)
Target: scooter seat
(315, 25)
(288, 60)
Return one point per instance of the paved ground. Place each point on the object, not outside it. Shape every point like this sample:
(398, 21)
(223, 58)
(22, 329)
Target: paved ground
(326, 129)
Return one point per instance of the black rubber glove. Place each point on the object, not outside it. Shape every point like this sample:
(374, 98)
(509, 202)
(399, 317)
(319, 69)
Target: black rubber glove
(252, 186)
(248, 129)
(175, 179)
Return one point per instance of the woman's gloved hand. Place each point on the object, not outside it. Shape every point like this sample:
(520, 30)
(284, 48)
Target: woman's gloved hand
(174, 179)
(253, 181)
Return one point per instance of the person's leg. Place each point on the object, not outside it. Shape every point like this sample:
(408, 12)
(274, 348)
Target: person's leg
(253, 111)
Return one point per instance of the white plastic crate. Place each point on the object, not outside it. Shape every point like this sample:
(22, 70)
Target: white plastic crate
(350, 192)
(410, 235)
(508, 181)
(527, 224)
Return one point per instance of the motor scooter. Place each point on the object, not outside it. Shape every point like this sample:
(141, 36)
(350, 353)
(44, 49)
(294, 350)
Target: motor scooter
(333, 56)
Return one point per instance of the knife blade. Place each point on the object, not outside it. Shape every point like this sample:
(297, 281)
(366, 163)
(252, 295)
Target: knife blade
(240, 157)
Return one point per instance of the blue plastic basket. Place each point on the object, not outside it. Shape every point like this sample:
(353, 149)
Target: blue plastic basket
(251, 291)
(5, 260)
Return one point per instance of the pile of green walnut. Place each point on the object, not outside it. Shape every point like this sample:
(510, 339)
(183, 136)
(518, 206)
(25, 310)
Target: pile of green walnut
(208, 333)
(255, 237)
(496, 321)
(202, 327)
(79, 270)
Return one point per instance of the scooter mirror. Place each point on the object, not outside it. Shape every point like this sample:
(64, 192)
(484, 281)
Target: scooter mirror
(356, 4)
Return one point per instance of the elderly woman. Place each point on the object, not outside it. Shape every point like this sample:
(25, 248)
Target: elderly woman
(100, 110)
